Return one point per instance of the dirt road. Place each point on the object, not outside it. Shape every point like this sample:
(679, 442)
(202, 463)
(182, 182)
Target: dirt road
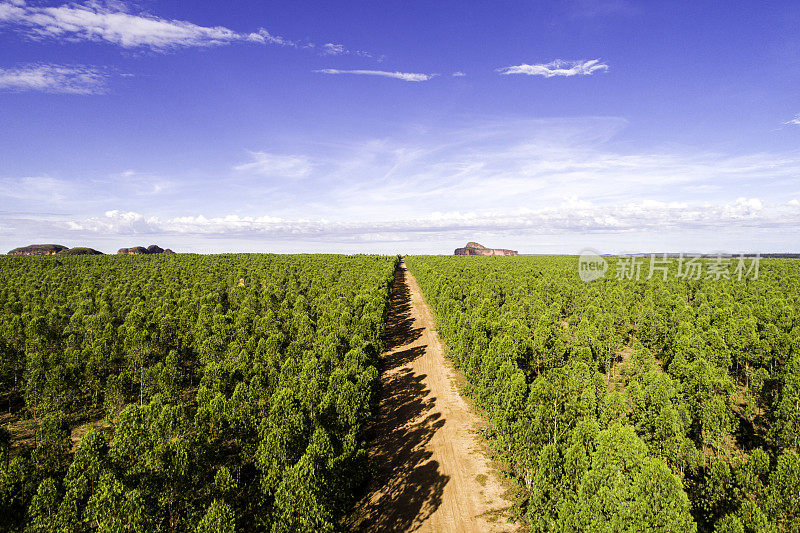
(431, 472)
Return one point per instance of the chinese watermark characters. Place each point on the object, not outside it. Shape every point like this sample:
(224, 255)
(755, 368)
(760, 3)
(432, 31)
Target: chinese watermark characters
(592, 266)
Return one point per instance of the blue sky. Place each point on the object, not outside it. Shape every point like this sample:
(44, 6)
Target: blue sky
(401, 126)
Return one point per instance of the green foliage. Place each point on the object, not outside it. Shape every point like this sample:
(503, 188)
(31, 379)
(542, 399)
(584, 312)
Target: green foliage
(218, 519)
(650, 404)
(624, 490)
(18, 484)
(114, 508)
(43, 508)
(786, 429)
(52, 443)
(783, 500)
(237, 388)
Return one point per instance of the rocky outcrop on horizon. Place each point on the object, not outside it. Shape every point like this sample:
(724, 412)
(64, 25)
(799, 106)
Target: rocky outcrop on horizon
(53, 249)
(141, 250)
(473, 248)
(39, 249)
(134, 250)
(80, 250)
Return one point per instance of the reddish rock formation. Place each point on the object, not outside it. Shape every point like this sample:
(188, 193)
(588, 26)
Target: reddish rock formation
(39, 249)
(473, 248)
(141, 250)
(136, 250)
(53, 249)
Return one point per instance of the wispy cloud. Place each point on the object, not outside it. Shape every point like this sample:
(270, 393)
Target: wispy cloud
(71, 195)
(265, 37)
(333, 49)
(276, 165)
(598, 8)
(406, 76)
(458, 74)
(515, 179)
(485, 164)
(68, 79)
(35, 188)
(115, 23)
(795, 120)
(557, 67)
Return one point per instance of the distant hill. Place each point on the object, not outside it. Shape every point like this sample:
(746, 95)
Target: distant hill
(141, 250)
(53, 249)
(39, 249)
(473, 248)
(80, 250)
(60, 249)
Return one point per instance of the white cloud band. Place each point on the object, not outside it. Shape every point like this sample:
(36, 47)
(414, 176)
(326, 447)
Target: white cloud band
(93, 22)
(558, 67)
(571, 217)
(114, 23)
(405, 76)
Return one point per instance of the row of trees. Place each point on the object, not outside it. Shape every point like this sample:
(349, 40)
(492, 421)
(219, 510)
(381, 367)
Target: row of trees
(234, 390)
(669, 404)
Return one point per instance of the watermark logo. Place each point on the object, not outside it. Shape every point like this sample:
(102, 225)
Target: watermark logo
(591, 265)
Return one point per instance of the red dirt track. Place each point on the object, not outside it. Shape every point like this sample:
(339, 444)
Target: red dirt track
(431, 473)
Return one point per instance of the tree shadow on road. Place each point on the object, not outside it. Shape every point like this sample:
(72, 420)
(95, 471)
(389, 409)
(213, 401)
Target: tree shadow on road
(400, 324)
(406, 485)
